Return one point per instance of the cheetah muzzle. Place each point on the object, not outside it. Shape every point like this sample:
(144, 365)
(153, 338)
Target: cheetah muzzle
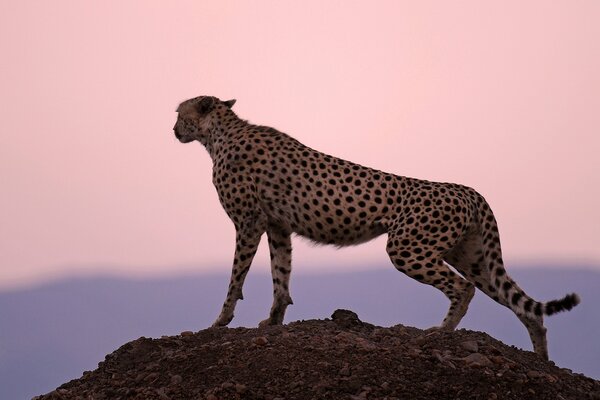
(441, 234)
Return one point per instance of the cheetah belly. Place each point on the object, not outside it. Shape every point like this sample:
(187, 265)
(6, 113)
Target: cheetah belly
(324, 227)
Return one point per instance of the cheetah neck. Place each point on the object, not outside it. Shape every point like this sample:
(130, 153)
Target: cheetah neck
(220, 129)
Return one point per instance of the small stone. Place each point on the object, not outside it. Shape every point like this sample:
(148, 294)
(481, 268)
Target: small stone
(532, 374)
(477, 360)
(260, 341)
(139, 377)
(438, 355)
(346, 318)
(385, 385)
(161, 394)
(345, 371)
(186, 333)
(176, 380)
(414, 352)
(492, 396)
(241, 389)
(498, 360)
(365, 345)
(470, 346)
(151, 377)
(212, 397)
(226, 385)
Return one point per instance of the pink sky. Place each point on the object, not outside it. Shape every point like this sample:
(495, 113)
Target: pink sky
(501, 96)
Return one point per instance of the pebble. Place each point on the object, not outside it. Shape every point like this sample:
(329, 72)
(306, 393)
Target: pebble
(212, 397)
(533, 374)
(498, 360)
(176, 379)
(241, 389)
(345, 371)
(260, 340)
(477, 360)
(161, 393)
(186, 333)
(151, 376)
(470, 345)
(413, 352)
(365, 345)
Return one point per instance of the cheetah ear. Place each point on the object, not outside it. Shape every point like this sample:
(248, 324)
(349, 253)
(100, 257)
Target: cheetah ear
(205, 105)
(229, 103)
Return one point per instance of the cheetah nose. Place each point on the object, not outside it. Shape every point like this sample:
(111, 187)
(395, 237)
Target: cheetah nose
(177, 135)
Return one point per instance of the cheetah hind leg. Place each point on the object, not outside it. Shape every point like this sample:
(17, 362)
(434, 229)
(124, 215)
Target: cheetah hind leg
(280, 247)
(431, 270)
(468, 257)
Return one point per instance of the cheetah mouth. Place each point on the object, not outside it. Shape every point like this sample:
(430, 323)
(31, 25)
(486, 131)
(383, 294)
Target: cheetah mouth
(184, 139)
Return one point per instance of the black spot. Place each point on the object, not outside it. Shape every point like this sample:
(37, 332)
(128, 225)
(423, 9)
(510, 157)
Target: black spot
(516, 297)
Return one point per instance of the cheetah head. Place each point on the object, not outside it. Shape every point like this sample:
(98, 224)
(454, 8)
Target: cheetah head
(196, 118)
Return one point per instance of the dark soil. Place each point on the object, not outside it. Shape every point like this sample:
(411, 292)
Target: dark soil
(341, 358)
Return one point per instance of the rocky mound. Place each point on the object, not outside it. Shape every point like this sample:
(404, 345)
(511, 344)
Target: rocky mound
(341, 358)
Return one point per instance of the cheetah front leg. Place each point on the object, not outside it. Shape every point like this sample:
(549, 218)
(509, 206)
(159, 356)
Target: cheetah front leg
(280, 247)
(246, 244)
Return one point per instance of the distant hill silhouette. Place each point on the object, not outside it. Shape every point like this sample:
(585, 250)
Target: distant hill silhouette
(50, 334)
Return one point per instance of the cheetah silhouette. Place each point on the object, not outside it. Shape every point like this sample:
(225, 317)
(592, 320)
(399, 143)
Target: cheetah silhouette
(269, 182)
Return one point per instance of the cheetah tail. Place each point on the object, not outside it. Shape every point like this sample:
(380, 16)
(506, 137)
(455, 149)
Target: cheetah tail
(564, 304)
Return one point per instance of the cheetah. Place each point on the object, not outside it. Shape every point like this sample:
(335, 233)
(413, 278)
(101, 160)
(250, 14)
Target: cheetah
(440, 234)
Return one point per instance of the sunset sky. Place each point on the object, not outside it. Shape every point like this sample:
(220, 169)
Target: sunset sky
(500, 96)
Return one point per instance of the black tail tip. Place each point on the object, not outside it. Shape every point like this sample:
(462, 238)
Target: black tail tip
(564, 304)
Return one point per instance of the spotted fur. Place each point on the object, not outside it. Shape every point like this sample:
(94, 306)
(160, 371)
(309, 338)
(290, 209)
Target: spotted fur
(269, 182)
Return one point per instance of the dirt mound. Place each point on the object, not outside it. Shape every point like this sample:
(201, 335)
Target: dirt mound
(338, 358)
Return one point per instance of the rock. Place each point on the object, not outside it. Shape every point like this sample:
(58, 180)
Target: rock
(241, 389)
(323, 359)
(345, 371)
(186, 333)
(365, 345)
(260, 340)
(161, 394)
(346, 318)
(533, 374)
(470, 346)
(477, 360)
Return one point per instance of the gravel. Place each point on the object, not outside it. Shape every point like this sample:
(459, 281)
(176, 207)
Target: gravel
(338, 358)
